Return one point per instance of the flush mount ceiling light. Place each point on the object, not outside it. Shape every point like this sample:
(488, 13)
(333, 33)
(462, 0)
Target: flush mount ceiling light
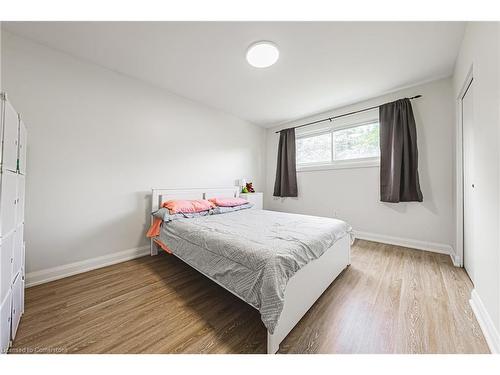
(262, 54)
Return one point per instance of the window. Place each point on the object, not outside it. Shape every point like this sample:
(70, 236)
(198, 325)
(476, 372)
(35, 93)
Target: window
(348, 146)
(314, 149)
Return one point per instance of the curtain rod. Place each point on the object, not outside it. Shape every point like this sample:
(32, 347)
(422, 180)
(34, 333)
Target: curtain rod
(345, 114)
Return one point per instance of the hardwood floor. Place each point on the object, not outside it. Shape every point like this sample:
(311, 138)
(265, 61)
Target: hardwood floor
(390, 300)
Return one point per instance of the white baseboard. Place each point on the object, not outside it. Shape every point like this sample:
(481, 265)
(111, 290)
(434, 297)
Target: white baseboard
(407, 242)
(485, 322)
(457, 262)
(59, 272)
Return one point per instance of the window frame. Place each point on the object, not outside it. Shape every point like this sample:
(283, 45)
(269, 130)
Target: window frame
(373, 161)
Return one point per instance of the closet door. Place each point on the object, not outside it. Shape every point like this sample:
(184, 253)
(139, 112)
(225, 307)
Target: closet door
(17, 254)
(8, 202)
(5, 318)
(20, 199)
(468, 181)
(22, 147)
(10, 138)
(6, 255)
(17, 309)
(23, 283)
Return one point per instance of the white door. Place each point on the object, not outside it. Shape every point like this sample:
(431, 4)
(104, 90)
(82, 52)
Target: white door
(17, 254)
(468, 165)
(5, 316)
(23, 285)
(22, 147)
(20, 199)
(6, 255)
(17, 307)
(8, 202)
(11, 127)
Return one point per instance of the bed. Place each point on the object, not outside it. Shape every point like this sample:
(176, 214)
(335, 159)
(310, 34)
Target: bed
(278, 263)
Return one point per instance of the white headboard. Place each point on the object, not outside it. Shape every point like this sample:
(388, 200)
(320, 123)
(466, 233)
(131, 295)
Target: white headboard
(162, 195)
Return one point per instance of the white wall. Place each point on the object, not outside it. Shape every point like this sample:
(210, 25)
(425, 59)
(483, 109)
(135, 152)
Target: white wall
(99, 141)
(480, 51)
(353, 194)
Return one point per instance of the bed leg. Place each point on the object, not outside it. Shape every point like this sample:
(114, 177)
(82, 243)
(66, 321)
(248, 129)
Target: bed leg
(272, 344)
(154, 248)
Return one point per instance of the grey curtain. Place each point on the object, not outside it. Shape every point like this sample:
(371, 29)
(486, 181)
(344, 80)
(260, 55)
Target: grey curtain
(286, 172)
(398, 153)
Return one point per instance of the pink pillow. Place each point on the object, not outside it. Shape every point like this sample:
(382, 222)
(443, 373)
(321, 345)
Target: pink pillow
(228, 202)
(188, 206)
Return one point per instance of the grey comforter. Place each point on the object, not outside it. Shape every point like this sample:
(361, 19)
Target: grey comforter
(253, 253)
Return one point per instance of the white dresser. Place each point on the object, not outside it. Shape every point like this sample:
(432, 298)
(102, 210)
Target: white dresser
(12, 172)
(256, 198)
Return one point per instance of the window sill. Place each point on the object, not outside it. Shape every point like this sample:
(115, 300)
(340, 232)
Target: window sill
(367, 163)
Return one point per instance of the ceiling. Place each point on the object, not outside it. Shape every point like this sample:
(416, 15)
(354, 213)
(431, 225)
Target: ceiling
(322, 65)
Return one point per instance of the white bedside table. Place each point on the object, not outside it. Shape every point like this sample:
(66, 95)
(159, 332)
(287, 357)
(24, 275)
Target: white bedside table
(255, 198)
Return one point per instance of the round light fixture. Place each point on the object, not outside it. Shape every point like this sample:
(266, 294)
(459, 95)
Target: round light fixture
(262, 54)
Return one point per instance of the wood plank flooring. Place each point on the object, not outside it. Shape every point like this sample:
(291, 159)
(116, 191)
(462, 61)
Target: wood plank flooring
(390, 300)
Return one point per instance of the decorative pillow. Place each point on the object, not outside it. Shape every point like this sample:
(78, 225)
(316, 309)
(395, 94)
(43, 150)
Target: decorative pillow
(228, 202)
(188, 206)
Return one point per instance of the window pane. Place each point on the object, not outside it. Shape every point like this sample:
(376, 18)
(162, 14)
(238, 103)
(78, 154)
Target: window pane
(358, 142)
(316, 149)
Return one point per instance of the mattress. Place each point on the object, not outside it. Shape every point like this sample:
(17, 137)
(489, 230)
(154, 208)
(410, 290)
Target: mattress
(253, 253)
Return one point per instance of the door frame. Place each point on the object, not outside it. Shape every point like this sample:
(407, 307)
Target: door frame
(459, 173)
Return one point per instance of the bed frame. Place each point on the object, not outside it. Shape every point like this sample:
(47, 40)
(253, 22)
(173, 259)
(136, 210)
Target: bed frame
(302, 290)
